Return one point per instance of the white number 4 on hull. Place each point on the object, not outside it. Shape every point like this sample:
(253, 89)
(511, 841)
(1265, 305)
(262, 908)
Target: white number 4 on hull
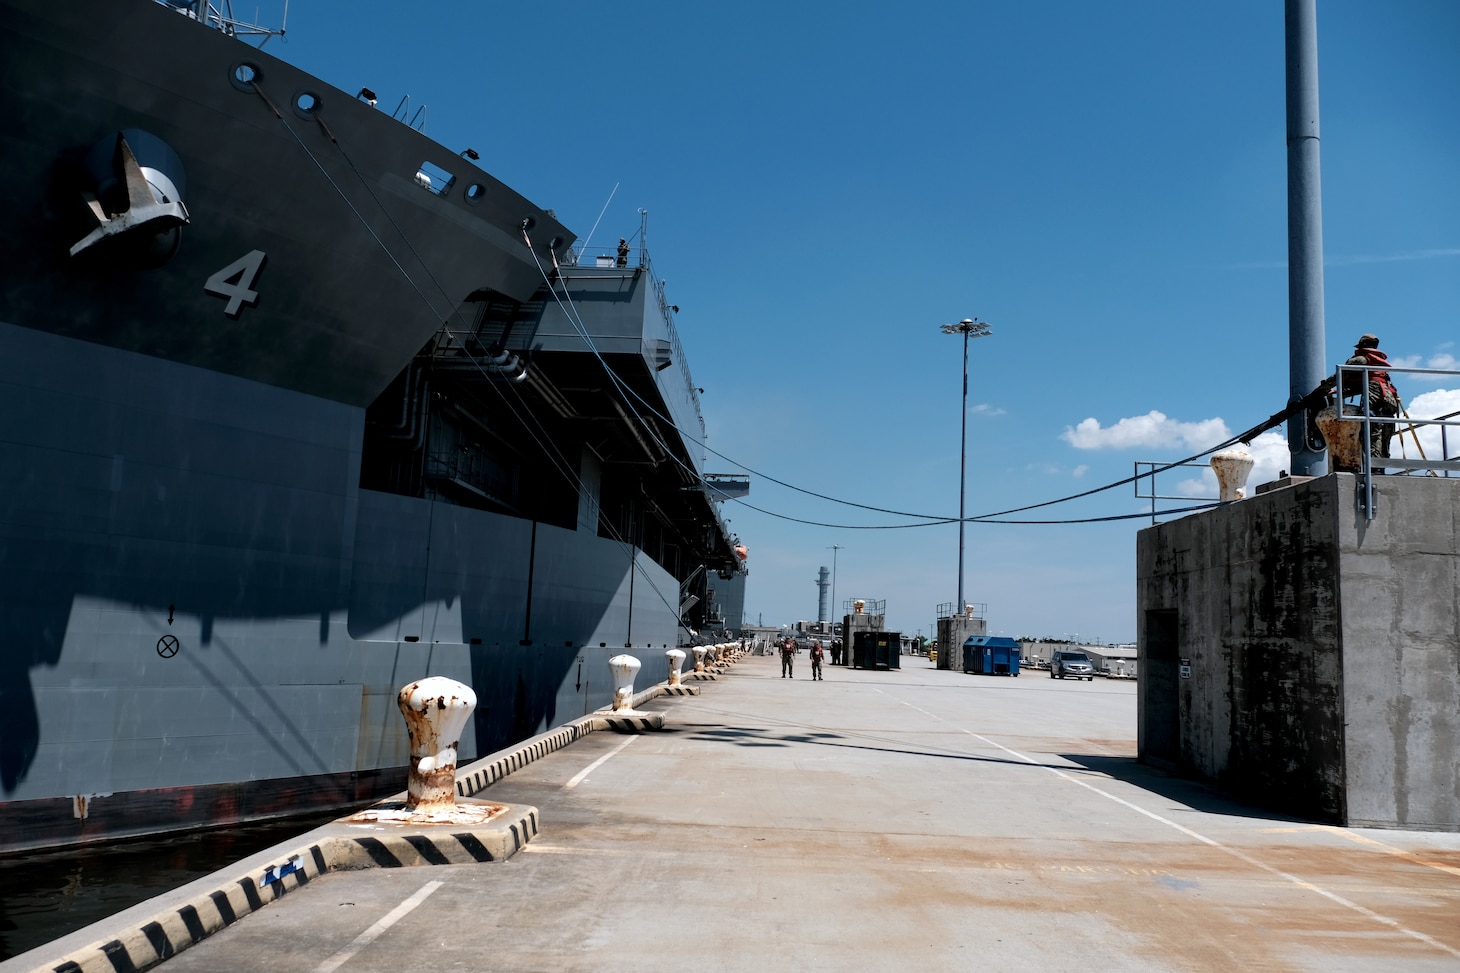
(235, 282)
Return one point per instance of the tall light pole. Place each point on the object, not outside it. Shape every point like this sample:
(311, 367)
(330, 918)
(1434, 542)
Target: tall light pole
(969, 328)
(834, 549)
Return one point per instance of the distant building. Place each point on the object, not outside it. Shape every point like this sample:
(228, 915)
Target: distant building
(1116, 660)
(1113, 660)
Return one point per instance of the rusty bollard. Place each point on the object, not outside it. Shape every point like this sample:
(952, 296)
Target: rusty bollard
(624, 668)
(675, 657)
(1231, 467)
(699, 651)
(436, 710)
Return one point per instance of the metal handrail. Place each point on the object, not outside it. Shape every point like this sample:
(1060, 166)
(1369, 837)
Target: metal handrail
(949, 609)
(1444, 465)
(1155, 468)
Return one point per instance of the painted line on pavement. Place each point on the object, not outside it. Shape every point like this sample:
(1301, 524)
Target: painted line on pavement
(1390, 849)
(374, 932)
(579, 777)
(1234, 852)
(1354, 836)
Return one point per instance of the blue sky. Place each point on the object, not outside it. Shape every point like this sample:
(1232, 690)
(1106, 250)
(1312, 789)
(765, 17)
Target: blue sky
(828, 183)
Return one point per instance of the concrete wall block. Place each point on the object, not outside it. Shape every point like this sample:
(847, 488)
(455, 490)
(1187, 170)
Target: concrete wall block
(1415, 515)
(1403, 740)
(1287, 731)
(1324, 649)
(1429, 599)
(1254, 588)
(1400, 584)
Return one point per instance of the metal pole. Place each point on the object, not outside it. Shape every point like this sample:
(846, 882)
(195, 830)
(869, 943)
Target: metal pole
(1305, 230)
(834, 549)
(969, 328)
(962, 471)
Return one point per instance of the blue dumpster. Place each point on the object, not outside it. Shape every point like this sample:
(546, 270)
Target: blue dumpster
(991, 655)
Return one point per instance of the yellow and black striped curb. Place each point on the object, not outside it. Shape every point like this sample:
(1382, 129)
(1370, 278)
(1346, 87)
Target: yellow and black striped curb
(479, 775)
(628, 723)
(174, 930)
(169, 932)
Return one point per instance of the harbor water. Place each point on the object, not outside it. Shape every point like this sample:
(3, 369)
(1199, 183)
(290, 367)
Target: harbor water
(46, 895)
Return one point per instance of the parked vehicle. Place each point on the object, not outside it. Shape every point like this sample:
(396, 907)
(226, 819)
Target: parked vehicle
(1071, 663)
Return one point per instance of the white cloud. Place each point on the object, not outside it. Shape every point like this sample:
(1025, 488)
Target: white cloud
(1079, 471)
(1430, 405)
(1386, 258)
(984, 409)
(1152, 430)
(1354, 259)
(1270, 457)
(1440, 360)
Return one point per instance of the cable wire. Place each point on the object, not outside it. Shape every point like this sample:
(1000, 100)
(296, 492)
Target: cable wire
(569, 309)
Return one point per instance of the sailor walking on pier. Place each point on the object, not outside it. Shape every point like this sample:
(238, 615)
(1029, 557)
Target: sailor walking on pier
(788, 658)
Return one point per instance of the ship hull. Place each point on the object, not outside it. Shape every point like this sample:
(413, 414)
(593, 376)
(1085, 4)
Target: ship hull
(207, 619)
(271, 456)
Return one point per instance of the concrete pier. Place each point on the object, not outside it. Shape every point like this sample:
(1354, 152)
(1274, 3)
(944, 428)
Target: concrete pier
(915, 819)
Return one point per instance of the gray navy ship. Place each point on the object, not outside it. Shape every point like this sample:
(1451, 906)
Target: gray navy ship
(299, 406)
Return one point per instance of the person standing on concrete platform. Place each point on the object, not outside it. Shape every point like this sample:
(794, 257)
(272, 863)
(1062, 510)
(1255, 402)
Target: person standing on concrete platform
(1382, 397)
(836, 652)
(816, 653)
(788, 658)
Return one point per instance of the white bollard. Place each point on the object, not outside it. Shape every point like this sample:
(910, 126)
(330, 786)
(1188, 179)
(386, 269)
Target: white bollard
(1231, 467)
(436, 710)
(675, 657)
(624, 668)
(699, 651)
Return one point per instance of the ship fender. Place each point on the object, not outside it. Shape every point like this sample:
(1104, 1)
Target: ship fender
(136, 197)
